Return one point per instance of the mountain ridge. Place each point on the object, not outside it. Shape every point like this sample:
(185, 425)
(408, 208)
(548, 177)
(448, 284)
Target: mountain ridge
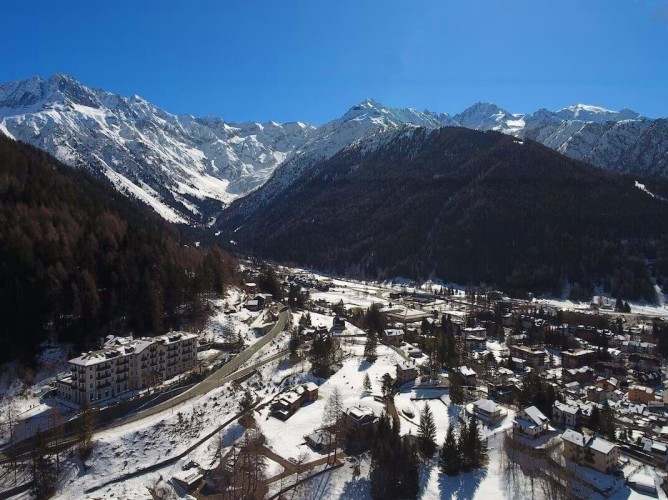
(193, 169)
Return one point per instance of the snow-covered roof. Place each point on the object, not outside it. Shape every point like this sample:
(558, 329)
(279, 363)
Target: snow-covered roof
(566, 408)
(487, 405)
(601, 445)
(536, 415)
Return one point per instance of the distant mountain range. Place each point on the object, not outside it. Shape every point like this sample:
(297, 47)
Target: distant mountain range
(189, 169)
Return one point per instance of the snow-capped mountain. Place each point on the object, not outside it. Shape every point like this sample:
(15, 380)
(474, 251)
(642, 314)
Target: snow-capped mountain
(362, 121)
(182, 166)
(189, 168)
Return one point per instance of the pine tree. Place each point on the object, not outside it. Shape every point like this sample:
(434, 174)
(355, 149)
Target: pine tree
(371, 347)
(479, 445)
(43, 477)
(367, 383)
(410, 472)
(427, 432)
(450, 460)
(464, 447)
(456, 389)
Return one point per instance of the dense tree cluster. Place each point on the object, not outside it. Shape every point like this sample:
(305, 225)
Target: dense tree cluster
(463, 453)
(394, 463)
(78, 260)
(470, 207)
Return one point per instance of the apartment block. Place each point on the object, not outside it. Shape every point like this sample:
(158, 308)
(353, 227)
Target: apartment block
(125, 364)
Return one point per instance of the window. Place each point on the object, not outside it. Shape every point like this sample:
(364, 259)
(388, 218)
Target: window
(90, 396)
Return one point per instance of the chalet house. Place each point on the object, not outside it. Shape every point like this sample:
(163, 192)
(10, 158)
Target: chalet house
(289, 402)
(406, 373)
(488, 410)
(530, 423)
(590, 451)
(567, 415)
(321, 440)
(609, 385)
(640, 394)
(359, 420)
(469, 375)
(393, 336)
(533, 357)
(596, 394)
(576, 358)
(582, 375)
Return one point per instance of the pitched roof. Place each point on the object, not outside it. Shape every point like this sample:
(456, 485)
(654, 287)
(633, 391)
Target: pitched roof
(536, 415)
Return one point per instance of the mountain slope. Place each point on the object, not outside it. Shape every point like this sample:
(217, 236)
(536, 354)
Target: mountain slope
(183, 167)
(466, 206)
(79, 261)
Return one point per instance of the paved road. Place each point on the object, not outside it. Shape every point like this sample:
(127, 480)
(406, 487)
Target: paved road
(220, 377)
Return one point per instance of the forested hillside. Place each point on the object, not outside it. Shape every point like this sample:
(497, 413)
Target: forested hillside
(78, 260)
(469, 207)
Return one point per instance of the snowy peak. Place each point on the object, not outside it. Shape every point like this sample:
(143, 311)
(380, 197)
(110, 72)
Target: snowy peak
(595, 114)
(489, 116)
(373, 111)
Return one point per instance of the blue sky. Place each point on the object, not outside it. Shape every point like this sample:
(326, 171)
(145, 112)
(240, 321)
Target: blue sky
(312, 60)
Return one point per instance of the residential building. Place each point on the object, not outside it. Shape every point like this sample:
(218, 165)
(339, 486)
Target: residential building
(124, 364)
(576, 358)
(393, 336)
(591, 451)
(533, 357)
(640, 394)
(360, 420)
(287, 403)
(566, 414)
(488, 410)
(530, 423)
(582, 375)
(406, 373)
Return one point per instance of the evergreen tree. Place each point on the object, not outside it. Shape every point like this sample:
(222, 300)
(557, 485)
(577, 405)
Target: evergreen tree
(479, 445)
(371, 346)
(450, 460)
(465, 451)
(367, 383)
(456, 389)
(293, 344)
(409, 486)
(43, 477)
(427, 432)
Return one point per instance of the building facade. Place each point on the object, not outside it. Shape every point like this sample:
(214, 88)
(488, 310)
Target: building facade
(125, 364)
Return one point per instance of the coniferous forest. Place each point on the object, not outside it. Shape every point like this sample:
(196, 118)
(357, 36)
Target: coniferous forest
(467, 206)
(78, 260)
